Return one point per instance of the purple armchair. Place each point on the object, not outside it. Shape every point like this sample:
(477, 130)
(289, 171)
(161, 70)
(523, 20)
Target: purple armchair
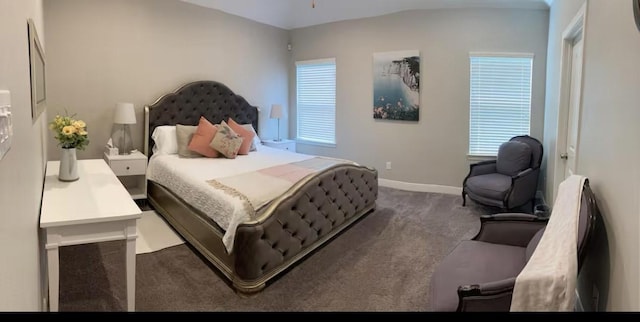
(511, 180)
(479, 274)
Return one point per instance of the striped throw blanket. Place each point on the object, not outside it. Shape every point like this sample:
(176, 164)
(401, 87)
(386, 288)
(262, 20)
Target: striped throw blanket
(257, 188)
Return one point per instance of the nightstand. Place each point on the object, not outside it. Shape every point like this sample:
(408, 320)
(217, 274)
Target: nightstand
(131, 169)
(282, 145)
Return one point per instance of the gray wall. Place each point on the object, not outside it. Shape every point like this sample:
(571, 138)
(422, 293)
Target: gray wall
(433, 150)
(22, 169)
(609, 144)
(104, 52)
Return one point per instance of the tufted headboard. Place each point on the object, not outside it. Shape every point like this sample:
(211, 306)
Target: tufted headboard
(213, 100)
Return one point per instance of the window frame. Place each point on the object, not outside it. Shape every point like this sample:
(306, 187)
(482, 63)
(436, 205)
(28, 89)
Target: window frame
(489, 156)
(331, 60)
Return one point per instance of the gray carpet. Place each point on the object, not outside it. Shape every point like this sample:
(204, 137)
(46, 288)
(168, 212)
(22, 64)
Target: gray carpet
(382, 263)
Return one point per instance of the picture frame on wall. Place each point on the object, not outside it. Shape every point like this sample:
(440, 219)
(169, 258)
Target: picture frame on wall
(396, 85)
(37, 66)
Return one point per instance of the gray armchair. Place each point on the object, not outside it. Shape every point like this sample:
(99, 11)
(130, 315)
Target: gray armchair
(511, 180)
(480, 274)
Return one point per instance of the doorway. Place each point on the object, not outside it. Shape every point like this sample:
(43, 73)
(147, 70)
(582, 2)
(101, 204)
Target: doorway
(570, 105)
(570, 155)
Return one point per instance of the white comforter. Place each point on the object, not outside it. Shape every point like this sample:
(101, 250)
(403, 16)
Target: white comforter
(187, 178)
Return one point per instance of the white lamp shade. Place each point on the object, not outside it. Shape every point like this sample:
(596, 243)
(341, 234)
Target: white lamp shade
(276, 111)
(125, 114)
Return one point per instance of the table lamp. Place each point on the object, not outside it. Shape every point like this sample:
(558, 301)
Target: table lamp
(276, 113)
(124, 116)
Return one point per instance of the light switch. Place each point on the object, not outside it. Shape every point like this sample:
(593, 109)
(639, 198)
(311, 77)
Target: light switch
(6, 126)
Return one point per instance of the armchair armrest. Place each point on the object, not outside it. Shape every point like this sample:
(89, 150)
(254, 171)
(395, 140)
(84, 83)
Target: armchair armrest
(523, 188)
(480, 168)
(490, 296)
(515, 229)
(523, 173)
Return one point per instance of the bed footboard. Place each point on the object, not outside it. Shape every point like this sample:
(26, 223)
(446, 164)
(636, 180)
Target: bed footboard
(305, 217)
(302, 219)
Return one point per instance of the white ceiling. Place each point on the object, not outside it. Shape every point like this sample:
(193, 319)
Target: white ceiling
(291, 14)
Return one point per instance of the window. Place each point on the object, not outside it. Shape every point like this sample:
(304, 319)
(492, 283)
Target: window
(316, 101)
(500, 100)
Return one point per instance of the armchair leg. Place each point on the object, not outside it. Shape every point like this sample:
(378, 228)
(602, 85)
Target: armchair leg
(464, 198)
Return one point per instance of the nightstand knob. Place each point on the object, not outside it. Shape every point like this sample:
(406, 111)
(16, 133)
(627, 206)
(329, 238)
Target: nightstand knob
(128, 167)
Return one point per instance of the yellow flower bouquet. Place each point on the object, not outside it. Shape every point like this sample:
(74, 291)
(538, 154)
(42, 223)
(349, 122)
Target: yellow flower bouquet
(70, 133)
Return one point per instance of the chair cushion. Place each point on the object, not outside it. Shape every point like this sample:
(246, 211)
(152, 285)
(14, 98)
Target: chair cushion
(536, 149)
(513, 157)
(493, 185)
(473, 262)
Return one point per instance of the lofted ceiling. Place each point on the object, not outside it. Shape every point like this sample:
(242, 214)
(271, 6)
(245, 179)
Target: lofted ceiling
(291, 14)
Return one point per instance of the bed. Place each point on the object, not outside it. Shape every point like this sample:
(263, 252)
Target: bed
(307, 215)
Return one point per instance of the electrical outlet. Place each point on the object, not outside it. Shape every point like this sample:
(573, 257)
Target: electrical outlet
(388, 165)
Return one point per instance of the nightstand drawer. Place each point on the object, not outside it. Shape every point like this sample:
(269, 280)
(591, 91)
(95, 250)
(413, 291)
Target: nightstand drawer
(129, 167)
(289, 145)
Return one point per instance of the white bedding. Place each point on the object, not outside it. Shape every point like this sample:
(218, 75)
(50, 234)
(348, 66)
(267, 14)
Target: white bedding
(187, 178)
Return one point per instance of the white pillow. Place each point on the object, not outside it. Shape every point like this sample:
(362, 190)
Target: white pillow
(256, 140)
(165, 139)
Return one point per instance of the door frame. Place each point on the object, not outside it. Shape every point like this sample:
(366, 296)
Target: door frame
(576, 27)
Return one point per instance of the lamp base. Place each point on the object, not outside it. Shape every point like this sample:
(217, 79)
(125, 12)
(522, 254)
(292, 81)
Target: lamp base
(121, 139)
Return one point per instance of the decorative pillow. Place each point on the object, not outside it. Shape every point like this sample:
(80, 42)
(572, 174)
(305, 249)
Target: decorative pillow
(226, 141)
(164, 138)
(513, 157)
(256, 140)
(246, 135)
(202, 138)
(184, 133)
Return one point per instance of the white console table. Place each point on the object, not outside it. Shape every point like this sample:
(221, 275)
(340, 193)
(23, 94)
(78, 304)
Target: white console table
(95, 208)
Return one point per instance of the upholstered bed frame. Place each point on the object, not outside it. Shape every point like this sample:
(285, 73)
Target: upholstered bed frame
(302, 219)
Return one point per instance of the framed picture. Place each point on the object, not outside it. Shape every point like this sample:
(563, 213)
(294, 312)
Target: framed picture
(37, 66)
(396, 85)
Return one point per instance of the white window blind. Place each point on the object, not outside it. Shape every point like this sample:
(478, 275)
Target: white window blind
(316, 100)
(500, 101)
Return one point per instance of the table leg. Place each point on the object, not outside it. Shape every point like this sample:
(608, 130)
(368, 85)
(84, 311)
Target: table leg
(54, 277)
(131, 274)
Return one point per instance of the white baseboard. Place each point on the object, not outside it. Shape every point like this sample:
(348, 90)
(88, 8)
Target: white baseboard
(419, 187)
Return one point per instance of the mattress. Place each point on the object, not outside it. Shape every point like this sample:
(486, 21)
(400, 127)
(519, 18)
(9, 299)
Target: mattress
(187, 178)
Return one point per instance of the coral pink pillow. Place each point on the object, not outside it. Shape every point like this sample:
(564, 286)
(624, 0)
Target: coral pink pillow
(202, 138)
(246, 135)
